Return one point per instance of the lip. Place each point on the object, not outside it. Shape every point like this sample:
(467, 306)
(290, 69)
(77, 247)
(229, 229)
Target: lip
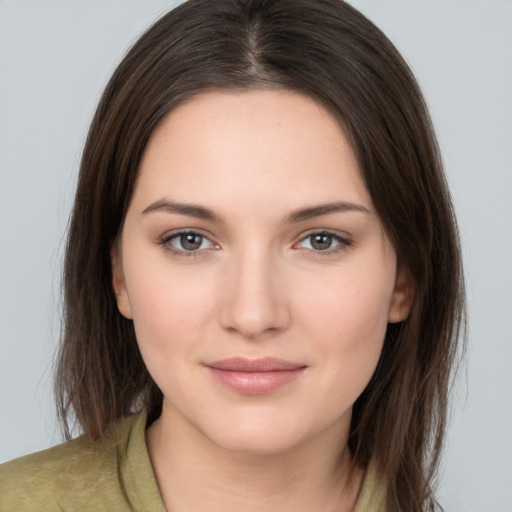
(255, 376)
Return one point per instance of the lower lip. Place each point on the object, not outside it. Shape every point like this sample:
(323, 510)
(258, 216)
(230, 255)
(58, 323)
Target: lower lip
(255, 383)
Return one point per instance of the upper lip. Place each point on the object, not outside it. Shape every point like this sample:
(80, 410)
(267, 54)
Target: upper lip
(265, 364)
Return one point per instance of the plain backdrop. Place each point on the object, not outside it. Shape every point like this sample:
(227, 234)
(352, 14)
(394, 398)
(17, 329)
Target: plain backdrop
(55, 58)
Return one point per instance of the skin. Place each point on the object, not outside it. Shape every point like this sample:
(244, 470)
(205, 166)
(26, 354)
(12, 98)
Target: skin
(256, 287)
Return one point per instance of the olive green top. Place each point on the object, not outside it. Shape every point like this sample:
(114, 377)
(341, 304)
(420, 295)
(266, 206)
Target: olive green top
(113, 474)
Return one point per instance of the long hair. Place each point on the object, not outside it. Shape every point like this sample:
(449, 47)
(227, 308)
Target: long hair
(328, 51)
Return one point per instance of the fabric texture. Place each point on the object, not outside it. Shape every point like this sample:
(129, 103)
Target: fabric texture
(114, 474)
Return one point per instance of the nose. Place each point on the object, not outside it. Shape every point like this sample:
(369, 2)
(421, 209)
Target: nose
(255, 304)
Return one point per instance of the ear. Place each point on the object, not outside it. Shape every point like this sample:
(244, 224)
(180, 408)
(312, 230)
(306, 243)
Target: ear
(401, 300)
(118, 281)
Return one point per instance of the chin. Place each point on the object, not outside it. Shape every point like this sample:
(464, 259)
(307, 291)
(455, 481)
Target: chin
(269, 442)
(258, 434)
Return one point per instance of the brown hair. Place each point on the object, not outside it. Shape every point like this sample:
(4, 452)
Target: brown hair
(326, 50)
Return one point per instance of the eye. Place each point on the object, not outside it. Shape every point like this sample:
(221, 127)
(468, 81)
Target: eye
(185, 242)
(323, 242)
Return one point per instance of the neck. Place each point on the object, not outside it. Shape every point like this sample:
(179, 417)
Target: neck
(193, 473)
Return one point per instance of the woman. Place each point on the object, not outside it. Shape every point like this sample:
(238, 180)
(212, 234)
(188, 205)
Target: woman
(263, 289)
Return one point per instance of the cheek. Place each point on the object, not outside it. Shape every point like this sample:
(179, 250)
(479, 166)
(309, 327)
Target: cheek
(170, 307)
(348, 322)
(353, 306)
(170, 313)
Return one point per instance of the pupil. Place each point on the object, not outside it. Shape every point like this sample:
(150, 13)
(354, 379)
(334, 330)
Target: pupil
(321, 242)
(191, 242)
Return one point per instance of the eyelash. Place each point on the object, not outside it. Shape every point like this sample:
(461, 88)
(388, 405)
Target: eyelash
(342, 243)
(165, 242)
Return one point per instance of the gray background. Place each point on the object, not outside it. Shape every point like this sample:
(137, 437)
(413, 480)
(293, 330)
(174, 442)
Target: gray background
(55, 58)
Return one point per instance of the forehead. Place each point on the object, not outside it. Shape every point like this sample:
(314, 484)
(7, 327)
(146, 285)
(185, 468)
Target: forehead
(252, 146)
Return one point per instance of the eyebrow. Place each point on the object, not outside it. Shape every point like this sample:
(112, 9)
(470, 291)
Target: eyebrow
(324, 209)
(191, 210)
(302, 214)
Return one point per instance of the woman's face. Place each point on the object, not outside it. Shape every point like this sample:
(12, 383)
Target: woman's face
(257, 273)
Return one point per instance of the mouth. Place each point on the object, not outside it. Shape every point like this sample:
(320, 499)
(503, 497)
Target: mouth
(254, 376)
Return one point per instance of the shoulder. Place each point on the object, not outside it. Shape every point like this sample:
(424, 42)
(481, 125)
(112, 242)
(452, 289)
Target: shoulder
(81, 471)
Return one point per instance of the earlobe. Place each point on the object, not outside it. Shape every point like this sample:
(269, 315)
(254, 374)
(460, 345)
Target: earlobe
(401, 300)
(118, 282)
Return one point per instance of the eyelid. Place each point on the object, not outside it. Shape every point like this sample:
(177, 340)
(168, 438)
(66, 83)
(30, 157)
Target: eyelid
(165, 242)
(344, 241)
